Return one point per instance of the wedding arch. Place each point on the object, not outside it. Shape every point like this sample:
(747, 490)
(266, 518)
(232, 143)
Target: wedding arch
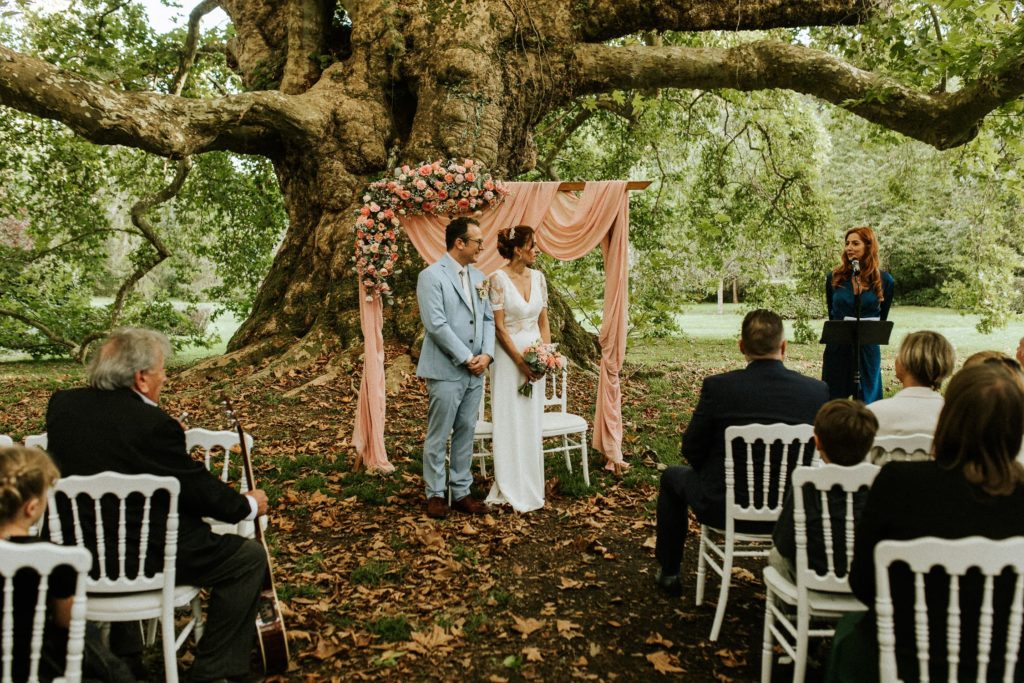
(568, 226)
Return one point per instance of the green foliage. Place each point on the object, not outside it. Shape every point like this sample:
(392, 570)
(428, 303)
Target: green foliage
(66, 238)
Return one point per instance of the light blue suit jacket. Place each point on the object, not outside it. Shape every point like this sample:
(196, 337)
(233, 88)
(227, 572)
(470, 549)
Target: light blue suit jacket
(453, 334)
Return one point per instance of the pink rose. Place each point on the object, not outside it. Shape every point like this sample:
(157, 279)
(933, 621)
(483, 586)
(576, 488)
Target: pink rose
(394, 257)
(368, 222)
(467, 162)
(460, 169)
(425, 170)
(442, 194)
(406, 194)
(463, 203)
(421, 184)
(449, 178)
(374, 207)
(379, 237)
(470, 177)
(460, 178)
(389, 214)
(405, 168)
(488, 185)
(365, 211)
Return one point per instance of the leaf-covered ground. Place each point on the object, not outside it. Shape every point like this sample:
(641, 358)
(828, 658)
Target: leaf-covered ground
(374, 590)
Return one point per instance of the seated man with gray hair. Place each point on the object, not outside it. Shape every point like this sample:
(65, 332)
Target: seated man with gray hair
(115, 424)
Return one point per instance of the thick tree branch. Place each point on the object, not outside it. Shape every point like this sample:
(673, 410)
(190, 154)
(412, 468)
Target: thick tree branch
(188, 52)
(942, 120)
(53, 336)
(161, 124)
(614, 18)
(305, 41)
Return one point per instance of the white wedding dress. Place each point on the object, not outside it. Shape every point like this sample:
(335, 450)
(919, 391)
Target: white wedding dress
(517, 446)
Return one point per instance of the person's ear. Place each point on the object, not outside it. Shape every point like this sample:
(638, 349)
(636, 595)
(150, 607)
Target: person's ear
(782, 349)
(823, 454)
(32, 509)
(742, 350)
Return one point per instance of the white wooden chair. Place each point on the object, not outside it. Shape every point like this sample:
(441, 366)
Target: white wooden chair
(570, 429)
(211, 442)
(785, 447)
(37, 441)
(43, 558)
(820, 596)
(120, 597)
(957, 557)
(908, 447)
(6, 441)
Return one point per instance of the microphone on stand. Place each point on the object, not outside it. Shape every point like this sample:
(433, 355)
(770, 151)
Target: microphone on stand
(856, 266)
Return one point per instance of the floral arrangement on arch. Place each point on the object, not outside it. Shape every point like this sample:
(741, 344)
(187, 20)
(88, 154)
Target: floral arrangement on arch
(450, 187)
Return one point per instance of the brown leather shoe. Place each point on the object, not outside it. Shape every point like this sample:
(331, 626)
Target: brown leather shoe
(437, 508)
(470, 506)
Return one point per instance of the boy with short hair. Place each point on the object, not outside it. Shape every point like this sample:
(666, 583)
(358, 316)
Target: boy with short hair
(844, 431)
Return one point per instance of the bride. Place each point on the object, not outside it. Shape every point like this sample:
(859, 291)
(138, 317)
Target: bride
(519, 297)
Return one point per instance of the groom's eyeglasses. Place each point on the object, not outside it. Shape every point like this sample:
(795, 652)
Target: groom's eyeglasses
(479, 242)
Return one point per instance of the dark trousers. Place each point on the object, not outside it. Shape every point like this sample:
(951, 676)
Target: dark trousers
(680, 489)
(235, 587)
(680, 486)
(227, 640)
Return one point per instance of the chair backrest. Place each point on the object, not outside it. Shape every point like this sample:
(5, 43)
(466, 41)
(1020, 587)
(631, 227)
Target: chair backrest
(43, 558)
(6, 441)
(763, 464)
(209, 441)
(104, 521)
(977, 554)
(555, 389)
(37, 441)
(833, 535)
(907, 447)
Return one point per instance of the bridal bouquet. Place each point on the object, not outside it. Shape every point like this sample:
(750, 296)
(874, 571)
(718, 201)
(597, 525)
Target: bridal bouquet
(542, 358)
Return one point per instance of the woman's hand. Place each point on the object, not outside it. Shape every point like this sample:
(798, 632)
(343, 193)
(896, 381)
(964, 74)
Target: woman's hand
(527, 370)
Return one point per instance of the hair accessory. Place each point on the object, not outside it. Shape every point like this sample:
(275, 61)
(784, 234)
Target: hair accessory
(512, 233)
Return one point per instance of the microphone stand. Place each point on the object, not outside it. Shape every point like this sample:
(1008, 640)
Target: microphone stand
(855, 283)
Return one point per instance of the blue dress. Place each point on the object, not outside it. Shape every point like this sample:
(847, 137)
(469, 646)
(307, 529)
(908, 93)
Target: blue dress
(837, 363)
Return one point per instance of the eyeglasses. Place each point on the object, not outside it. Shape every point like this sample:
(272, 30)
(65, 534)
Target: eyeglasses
(479, 242)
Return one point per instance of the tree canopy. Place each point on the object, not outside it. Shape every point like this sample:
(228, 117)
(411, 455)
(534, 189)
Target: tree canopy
(333, 94)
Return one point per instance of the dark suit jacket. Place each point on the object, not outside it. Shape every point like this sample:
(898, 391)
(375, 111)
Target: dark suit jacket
(764, 392)
(92, 430)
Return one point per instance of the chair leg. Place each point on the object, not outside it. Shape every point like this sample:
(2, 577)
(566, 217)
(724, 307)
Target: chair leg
(803, 626)
(167, 638)
(767, 639)
(701, 566)
(723, 592)
(149, 631)
(565, 450)
(583, 459)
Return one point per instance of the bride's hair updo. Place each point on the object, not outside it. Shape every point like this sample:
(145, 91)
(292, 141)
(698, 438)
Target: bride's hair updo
(510, 238)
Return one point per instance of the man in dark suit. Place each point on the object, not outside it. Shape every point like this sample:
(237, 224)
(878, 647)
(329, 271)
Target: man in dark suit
(114, 424)
(764, 392)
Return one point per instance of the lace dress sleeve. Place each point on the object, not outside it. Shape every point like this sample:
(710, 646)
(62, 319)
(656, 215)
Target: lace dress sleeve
(497, 292)
(543, 290)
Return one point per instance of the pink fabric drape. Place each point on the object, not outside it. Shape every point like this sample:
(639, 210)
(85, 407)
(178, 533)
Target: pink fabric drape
(567, 227)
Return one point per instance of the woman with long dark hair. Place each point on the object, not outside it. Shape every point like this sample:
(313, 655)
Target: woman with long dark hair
(841, 289)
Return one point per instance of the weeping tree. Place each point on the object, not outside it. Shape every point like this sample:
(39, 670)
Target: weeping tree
(335, 94)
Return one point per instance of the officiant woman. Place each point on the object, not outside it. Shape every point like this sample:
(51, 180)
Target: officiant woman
(875, 287)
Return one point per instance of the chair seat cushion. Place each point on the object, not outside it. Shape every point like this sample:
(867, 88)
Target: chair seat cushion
(821, 603)
(132, 606)
(557, 424)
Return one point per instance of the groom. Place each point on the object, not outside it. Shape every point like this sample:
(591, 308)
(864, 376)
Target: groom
(457, 348)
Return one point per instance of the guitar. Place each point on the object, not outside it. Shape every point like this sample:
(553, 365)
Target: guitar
(273, 639)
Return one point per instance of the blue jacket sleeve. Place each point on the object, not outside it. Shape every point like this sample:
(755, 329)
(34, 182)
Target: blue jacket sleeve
(888, 285)
(430, 296)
